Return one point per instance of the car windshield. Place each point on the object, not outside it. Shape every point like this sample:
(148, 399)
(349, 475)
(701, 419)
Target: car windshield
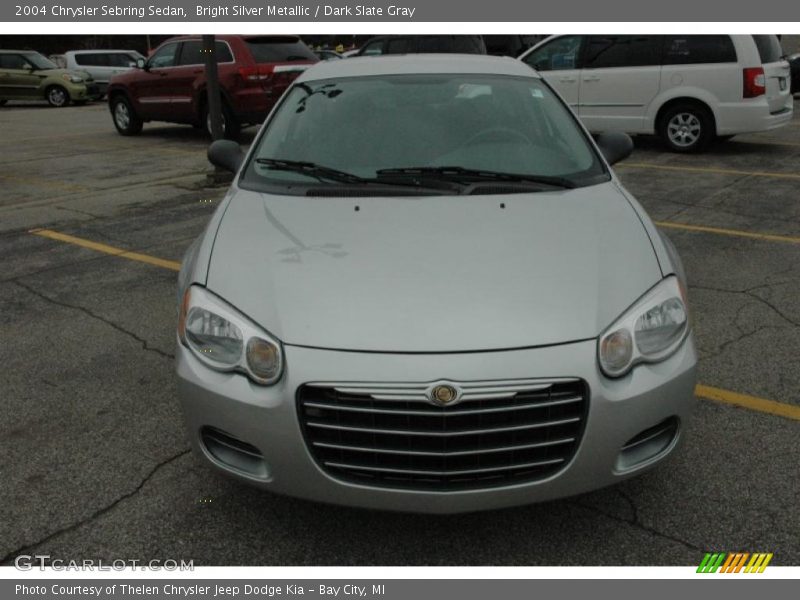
(453, 126)
(39, 61)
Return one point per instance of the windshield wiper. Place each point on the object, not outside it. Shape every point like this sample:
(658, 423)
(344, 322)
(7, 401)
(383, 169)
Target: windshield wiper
(464, 175)
(327, 173)
(311, 169)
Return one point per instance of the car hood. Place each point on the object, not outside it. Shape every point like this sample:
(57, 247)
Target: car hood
(433, 274)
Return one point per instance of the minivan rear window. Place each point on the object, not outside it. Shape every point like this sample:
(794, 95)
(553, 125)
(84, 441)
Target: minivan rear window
(769, 48)
(696, 49)
(279, 48)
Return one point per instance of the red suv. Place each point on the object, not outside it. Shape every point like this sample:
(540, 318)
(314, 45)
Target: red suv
(171, 84)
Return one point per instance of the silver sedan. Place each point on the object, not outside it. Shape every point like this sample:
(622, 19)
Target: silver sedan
(426, 290)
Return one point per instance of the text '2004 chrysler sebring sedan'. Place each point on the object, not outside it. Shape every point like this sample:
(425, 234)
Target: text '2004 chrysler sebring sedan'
(425, 290)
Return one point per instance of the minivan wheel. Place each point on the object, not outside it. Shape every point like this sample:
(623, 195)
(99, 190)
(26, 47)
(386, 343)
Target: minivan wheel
(230, 125)
(125, 118)
(57, 96)
(686, 128)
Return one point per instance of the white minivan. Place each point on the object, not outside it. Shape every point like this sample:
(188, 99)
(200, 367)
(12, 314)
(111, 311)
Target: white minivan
(102, 65)
(688, 89)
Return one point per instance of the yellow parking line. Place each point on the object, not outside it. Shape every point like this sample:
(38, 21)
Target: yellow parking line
(734, 232)
(145, 258)
(768, 142)
(780, 409)
(711, 170)
(47, 183)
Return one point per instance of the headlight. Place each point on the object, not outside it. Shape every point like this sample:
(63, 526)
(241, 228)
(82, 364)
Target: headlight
(650, 331)
(226, 340)
(72, 78)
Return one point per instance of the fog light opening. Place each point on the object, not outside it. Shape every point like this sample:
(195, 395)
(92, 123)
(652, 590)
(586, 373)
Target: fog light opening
(233, 453)
(648, 444)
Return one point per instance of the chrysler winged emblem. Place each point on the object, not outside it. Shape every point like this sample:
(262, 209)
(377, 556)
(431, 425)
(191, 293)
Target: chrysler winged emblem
(443, 394)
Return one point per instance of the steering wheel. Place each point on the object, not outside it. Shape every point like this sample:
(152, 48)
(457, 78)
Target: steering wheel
(499, 132)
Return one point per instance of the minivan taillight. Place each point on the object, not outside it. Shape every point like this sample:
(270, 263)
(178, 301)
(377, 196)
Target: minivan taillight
(755, 82)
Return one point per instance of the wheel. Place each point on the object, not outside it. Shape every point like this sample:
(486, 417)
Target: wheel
(125, 118)
(3, 102)
(230, 125)
(497, 133)
(686, 128)
(57, 96)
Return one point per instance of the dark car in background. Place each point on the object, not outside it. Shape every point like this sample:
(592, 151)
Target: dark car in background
(794, 63)
(416, 44)
(171, 84)
(510, 45)
(326, 54)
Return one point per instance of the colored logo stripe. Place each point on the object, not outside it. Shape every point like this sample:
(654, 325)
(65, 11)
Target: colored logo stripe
(758, 563)
(734, 562)
(711, 563)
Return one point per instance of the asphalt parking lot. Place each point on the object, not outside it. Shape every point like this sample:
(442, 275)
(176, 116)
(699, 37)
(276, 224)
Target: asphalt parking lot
(95, 462)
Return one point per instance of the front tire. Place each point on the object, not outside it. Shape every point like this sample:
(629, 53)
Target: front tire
(231, 128)
(57, 96)
(124, 116)
(686, 128)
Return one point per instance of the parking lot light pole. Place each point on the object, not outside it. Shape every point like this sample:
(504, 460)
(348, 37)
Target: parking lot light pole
(212, 87)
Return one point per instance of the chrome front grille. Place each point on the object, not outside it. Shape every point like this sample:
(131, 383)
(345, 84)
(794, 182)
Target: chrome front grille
(392, 435)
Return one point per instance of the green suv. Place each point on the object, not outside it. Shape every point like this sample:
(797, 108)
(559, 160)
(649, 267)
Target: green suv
(27, 75)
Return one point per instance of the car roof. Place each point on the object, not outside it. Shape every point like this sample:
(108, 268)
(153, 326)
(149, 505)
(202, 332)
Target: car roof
(229, 37)
(100, 51)
(410, 64)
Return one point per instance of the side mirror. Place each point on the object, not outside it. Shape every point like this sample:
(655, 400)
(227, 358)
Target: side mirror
(226, 154)
(140, 63)
(614, 146)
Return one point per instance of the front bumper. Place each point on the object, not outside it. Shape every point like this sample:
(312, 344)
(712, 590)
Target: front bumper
(77, 91)
(267, 418)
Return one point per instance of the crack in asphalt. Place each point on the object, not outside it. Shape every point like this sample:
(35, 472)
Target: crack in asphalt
(735, 322)
(145, 345)
(774, 308)
(636, 522)
(78, 211)
(685, 206)
(744, 335)
(8, 558)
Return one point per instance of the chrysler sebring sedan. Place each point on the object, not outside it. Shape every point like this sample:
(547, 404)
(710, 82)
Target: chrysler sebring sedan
(427, 291)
